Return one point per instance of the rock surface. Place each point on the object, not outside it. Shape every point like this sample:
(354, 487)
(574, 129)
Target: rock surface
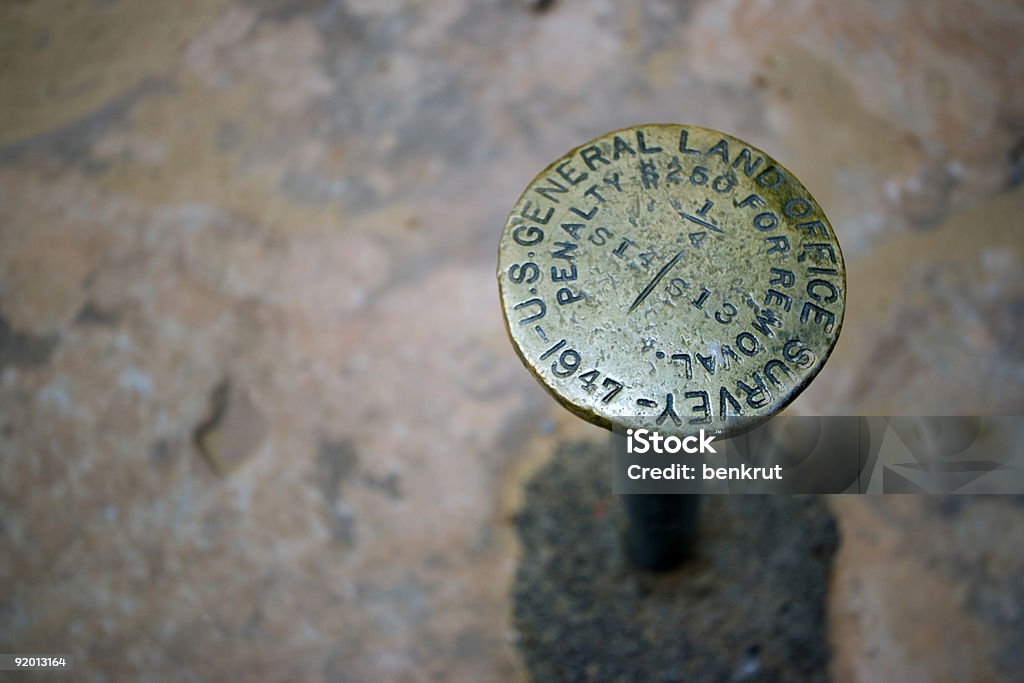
(306, 197)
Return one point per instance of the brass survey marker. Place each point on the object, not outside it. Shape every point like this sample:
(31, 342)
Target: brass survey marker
(671, 277)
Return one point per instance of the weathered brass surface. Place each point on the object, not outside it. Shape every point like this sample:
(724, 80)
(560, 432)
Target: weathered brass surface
(671, 277)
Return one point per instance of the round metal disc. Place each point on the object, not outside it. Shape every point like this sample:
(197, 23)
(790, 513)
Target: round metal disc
(671, 277)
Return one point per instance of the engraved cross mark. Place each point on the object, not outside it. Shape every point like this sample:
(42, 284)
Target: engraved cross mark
(699, 217)
(654, 283)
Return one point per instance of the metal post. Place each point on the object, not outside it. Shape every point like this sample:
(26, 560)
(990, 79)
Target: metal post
(662, 527)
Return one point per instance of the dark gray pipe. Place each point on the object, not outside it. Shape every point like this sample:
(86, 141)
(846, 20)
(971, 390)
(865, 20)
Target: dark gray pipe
(661, 528)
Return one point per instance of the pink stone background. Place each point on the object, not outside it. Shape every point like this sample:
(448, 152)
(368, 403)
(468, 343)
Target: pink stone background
(300, 201)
